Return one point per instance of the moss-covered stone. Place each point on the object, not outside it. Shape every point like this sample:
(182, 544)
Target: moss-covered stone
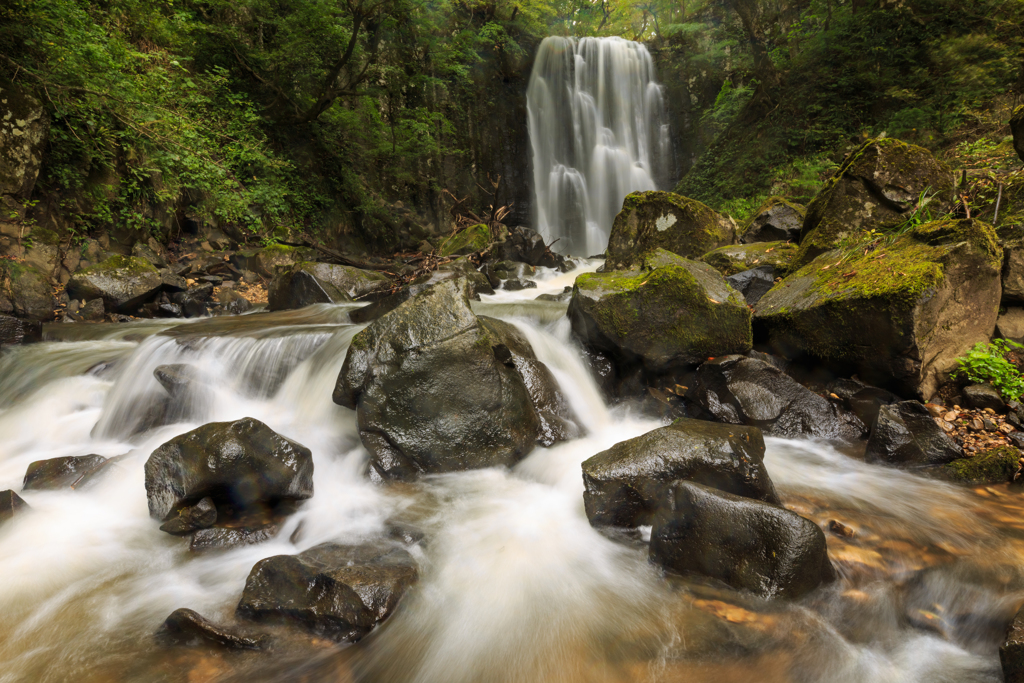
(268, 259)
(25, 291)
(475, 238)
(899, 314)
(123, 282)
(877, 188)
(672, 313)
(994, 466)
(1017, 128)
(739, 257)
(662, 220)
(777, 220)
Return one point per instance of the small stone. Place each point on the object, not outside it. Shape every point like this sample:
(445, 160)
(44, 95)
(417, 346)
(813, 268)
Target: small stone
(989, 425)
(934, 408)
(839, 529)
(976, 425)
(11, 504)
(946, 426)
(951, 416)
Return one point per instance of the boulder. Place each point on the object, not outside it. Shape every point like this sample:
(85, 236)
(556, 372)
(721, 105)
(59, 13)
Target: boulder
(338, 591)
(221, 538)
(191, 518)
(863, 400)
(746, 543)
(437, 389)
(194, 303)
(777, 220)
(232, 303)
(994, 466)
(266, 261)
(17, 331)
(151, 252)
(517, 284)
(673, 313)
(878, 186)
(747, 391)
(663, 220)
(737, 258)
(624, 484)
(307, 283)
(123, 282)
(523, 244)
(11, 505)
(187, 627)
(981, 396)
(60, 473)
(92, 311)
(898, 315)
(1017, 129)
(1011, 652)
(177, 378)
(1013, 272)
(23, 131)
(753, 284)
(240, 465)
(905, 433)
(1010, 325)
(25, 292)
(472, 239)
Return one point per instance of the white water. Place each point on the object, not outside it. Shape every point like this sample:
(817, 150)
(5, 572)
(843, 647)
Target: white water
(599, 130)
(516, 585)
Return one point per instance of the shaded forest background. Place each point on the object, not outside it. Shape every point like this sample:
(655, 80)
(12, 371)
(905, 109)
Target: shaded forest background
(371, 124)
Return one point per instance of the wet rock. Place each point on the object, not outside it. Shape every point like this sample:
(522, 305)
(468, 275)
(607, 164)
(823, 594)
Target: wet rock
(663, 220)
(123, 282)
(517, 284)
(404, 533)
(753, 284)
(307, 283)
(25, 291)
(17, 331)
(172, 282)
(863, 400)
(877, 187)
(740, 390)
(437, 389)
(144, 251)
(177, 378)
(624, 484)
(233, 303)
(194, 302)
(239, 464)
(675, 313)
(776, 220)
(839, 529)
(1011, 652)
(92, 311)
(1017, 129)
(60, 473)
(905, 433)
(898, 316)
(167, 310)
(982, 396)
(187, 627)
(523, 244)
(222, 538)
(736, 258)
(563, 296)
(747, 543)
(11, 505)
(339, 591)
(191, 517)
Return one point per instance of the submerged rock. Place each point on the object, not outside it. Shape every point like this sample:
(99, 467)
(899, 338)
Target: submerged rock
(192, 517)
(776, 220)
(123, 282)
(741, 390)
(624, 484)
(898, 315)
(673, 314)
(11, 505)
(748, 544)
(437, 389)
(60, 473)
(663, 220)
(240, 465)
(905, 433)
(339, 591)
(187, 627)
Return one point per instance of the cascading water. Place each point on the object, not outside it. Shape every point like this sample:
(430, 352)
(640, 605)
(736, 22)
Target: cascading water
(516, 586)
(599, 130)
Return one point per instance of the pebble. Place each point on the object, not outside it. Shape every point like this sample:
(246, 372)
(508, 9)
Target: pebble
(950, 416)
(1006, 428)
(977, 425)
(839, 529)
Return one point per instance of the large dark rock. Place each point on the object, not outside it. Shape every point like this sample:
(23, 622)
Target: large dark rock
(1011, 652)
(624, 484)
(25, 292)
(748, 544)
(878, 186)
(777, 220)
(221, 538)
(339, 591)
(905, 433)
(123, 282)
(981, 396)
(662, 220)
(307, 283)
(753, 284)
(899, 315)
(192, 518)
(675, 313)
(741, 390)
(437, 389)
(60, 473)
(11, 505)
(1017, 128)
(863, 400)
(267, 260)
(187, 627)
(523, 244)
(17, 331)
(195, 302)
(241, 465)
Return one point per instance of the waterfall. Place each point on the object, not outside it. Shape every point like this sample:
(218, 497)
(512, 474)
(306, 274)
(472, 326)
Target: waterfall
(599, 130)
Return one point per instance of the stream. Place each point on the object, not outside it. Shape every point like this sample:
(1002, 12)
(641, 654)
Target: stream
(515, 585)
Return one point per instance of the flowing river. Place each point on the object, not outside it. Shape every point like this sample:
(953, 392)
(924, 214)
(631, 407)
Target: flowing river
(515, 584)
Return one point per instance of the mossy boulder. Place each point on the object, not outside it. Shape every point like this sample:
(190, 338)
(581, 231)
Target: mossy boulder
(123, 282)
(994, 466)
(475, 238)
(437, 389)
(877, 187)
(306, 283)
(737, 258)
(25, 292)
(1017, 128)
(672, 313)
(663, 220)
(899, 315)
(267, 260)
(777, 220)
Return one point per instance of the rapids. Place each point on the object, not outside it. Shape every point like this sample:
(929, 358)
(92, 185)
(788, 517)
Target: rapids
(515, 584)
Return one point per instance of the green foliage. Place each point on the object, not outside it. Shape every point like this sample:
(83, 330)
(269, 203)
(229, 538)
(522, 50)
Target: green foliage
(988, 363)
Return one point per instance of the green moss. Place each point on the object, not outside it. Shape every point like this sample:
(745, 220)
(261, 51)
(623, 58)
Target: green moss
(471, 239)
(737, 258)
(981, 235)
(131, 264)
(991, 467)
